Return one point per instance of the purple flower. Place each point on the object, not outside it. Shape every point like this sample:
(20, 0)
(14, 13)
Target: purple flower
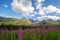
(43, 27)
(32, 26)
(43, 30)
(52, 28)
(19, 34)
(37, 30)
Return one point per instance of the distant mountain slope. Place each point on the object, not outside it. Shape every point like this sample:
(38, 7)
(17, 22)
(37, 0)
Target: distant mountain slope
(23, 21)
(7, 20)
(4, 19)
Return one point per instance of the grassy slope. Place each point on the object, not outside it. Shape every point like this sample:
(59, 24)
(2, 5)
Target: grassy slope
(23, 21)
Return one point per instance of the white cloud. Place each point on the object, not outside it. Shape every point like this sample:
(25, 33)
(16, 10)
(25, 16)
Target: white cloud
(58, 11)
(51, 9)
(40, 8)
(39, 4)
(22, 6)
(32, 15)
(39, 1)
(5, 5)
(25, 8)
(41, 12)
(48, 17)
(46, 10)
(35, 13)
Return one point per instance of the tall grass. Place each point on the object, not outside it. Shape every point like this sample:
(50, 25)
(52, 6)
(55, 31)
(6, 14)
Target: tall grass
(31, 34)
(8, 35)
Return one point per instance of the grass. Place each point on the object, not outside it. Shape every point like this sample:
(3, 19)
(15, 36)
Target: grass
(8, 36)
(50, 35)
(53, 35)
(31, 36)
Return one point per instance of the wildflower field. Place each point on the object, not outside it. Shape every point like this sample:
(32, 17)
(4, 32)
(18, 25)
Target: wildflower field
(30, 34)
(29, 19)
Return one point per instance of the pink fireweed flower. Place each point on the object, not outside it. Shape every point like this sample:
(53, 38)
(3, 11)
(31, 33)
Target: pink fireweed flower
(30, 30)
(43, 30)
(20, 34)
(43, 27)
(32, 26)
(37, 30)
(52, 28)
(0, 31)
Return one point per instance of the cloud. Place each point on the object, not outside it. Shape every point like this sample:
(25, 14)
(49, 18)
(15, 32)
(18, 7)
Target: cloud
(46, 10)
(39, 4)
(22, 6)
(5, 6)
(41, 12)
(55, 18)
(51, 9)
(40, 8)
(40, 1)
(26, 9)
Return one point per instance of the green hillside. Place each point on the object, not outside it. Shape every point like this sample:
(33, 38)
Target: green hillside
(23, 21)
(7, 20)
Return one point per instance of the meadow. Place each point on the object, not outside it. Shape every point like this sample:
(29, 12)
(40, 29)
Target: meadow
(29, 33)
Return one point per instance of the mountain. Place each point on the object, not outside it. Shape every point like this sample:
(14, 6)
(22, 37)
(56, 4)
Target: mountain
(48, 20)
(45, 21)
(36, 22)
(4, 19)
(14, 21)
(33, 21)
(53, 21)
(58, 21)
(23, 21)
(7, 20)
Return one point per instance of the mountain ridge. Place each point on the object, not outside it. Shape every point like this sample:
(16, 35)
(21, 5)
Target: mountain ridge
(26, 21)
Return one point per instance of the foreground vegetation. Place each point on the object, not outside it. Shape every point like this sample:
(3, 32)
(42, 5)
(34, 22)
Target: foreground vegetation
(15, 27)
(30, 34)
(49, 36)
(44, 32)
(21, 29)
(8, 35)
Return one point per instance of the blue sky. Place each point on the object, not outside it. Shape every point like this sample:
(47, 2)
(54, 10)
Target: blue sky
(8, 10)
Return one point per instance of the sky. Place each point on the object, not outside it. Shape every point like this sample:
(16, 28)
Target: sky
(31, 9)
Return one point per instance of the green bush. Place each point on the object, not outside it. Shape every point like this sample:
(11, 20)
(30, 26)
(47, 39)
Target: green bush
(9, 26)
